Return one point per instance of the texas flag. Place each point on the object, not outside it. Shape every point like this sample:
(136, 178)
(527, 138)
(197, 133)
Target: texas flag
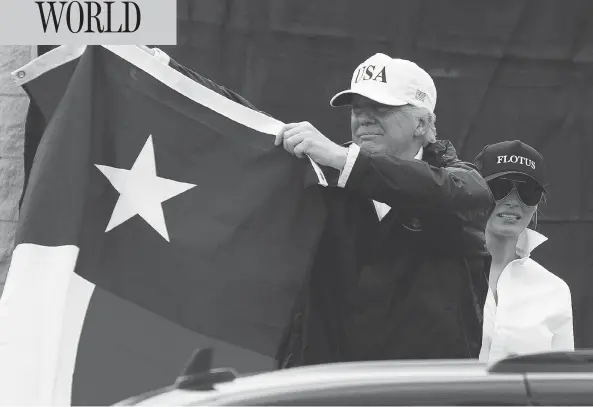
(159, 217)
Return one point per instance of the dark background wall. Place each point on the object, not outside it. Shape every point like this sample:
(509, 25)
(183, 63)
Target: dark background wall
(504, 69)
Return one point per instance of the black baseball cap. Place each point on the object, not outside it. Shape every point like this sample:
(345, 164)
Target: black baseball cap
(511, 157)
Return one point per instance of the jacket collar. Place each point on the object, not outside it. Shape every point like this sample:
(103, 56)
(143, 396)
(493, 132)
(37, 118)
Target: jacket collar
(529, 239)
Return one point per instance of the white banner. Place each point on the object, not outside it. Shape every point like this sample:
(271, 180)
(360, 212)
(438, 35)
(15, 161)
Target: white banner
(90, 22)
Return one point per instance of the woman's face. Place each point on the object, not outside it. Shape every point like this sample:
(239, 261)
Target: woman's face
(511, 215)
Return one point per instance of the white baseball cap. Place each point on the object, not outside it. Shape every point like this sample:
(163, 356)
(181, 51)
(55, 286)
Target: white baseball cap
(390, 81)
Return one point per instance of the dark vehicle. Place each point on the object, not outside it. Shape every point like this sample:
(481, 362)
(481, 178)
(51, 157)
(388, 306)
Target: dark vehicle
(560, 378)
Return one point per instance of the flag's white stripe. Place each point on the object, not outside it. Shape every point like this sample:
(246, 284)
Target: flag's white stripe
(196, 92)
(78, 298)
(46, 62)
(138, 57)
(42, 311)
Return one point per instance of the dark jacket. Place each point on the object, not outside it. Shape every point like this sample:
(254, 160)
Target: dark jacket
(410, 286)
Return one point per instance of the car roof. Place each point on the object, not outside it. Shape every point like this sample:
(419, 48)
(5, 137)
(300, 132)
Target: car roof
(199, 384)
(334, 375)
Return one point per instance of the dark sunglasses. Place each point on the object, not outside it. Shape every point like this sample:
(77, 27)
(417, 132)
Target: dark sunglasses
(530, 193)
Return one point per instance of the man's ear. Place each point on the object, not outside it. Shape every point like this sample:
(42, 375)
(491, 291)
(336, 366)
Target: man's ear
(421, 127)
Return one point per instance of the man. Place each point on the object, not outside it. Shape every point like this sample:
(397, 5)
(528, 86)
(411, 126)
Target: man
(401, 268)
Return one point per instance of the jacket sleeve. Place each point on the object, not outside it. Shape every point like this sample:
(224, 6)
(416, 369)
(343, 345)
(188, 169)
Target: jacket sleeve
(414, 184)
(451, 203)
(563, 333)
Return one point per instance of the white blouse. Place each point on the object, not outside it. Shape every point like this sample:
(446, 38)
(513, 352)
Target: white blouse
(534, 310)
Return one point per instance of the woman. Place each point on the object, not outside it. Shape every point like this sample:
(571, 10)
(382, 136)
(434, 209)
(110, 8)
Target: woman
(528, 309)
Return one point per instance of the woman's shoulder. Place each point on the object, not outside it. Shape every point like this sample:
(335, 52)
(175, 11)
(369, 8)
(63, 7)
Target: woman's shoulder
(546, 276)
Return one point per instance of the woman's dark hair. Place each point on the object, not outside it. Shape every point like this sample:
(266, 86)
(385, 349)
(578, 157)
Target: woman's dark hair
(533, 223)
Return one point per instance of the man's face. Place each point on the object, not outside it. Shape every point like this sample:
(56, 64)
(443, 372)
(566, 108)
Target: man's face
(381, 128)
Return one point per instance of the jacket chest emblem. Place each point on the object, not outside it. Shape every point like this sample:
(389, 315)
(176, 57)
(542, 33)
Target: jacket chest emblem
(412, 224)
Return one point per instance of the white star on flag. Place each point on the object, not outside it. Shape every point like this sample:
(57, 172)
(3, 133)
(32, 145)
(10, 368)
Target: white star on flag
(141, 191)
